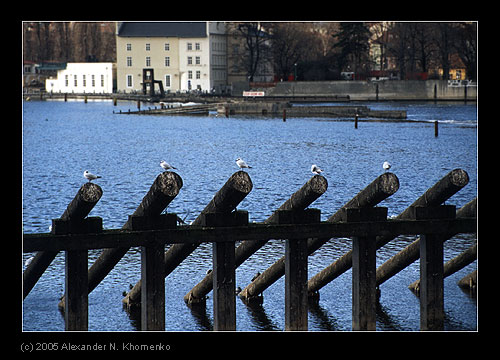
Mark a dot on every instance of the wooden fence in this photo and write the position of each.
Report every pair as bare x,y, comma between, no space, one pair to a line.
222,225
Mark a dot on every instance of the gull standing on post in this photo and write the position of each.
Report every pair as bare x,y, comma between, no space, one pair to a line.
242,164
386,165
316,170
166,165
89,176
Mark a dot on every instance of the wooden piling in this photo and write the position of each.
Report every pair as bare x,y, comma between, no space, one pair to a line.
83,202
364,298
381,188
437,194
225,200
76,285
411,253
224,278
164,189
153,293
436,128
296,264
284,115
356,121
469,282
301,199
451,266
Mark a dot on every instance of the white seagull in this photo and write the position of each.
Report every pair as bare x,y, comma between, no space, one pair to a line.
166,165
242,164
89,176
386,165
316,170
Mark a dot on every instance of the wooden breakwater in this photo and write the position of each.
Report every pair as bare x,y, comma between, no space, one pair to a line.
220,224
285,109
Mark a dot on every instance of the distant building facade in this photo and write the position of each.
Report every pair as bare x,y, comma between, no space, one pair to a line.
83,78
185,56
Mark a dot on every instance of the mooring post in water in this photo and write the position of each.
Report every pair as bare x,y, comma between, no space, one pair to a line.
81,205
164,189
237,187
296,307
436,128
301,199
431,268
364,298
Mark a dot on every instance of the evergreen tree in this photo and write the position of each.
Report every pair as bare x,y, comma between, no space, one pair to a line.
352,41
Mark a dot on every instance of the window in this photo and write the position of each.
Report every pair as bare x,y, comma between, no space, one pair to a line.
129,47
167,80
190,74
198,74
197,46
93,80
197,60
129,61
190,60
102,80
76,81
167,60
66,80
189,46
84,80
129,81
148,47
167,47
148,61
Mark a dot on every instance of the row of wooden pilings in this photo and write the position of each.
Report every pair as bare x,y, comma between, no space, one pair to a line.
156,264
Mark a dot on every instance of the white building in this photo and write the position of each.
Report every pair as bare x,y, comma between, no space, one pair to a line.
83,78
183,55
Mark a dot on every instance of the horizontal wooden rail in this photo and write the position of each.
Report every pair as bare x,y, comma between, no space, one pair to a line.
195,234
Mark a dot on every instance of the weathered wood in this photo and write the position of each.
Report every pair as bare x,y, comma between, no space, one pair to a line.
469,282
153,291
253,232
76,284
452,266
309,192
164,189
431,274
431,280
237,187
83,202
296,265
378,190
437,194
411,253
364,297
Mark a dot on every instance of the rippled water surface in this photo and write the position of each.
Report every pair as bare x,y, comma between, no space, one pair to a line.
61,140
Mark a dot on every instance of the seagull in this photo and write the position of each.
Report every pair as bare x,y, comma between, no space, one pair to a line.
316,170
89,176
242,164
165,165
386,165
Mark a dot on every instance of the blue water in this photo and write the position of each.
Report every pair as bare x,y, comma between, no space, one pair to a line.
62,139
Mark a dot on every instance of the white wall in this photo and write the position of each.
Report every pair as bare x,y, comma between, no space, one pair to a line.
90,78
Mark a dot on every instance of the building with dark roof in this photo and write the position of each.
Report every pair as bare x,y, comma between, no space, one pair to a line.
185,56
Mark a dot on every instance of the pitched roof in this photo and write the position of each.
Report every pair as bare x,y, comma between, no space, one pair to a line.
163,29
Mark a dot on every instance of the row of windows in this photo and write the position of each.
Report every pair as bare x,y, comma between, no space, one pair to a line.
197,47
167,78
84,80
197,60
